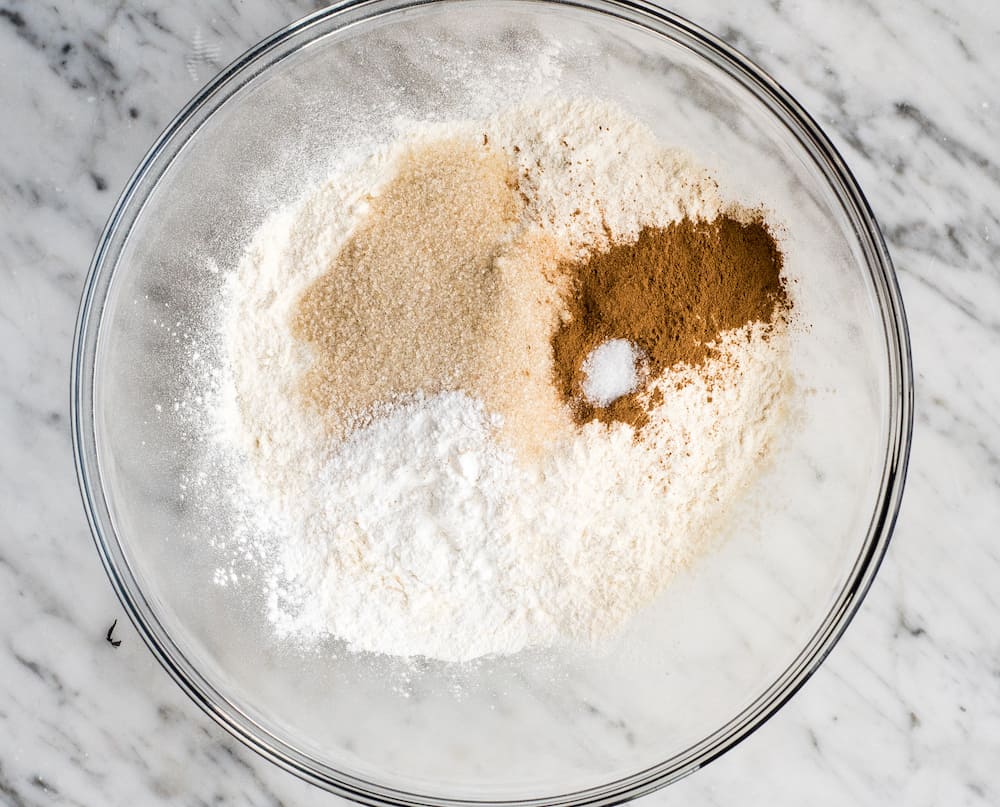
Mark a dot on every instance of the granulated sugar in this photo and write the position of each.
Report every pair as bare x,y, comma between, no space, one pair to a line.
391,397
612,369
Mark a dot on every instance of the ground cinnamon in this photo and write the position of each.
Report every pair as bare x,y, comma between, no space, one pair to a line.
671,292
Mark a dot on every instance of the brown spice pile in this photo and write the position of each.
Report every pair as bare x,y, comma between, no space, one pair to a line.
671,293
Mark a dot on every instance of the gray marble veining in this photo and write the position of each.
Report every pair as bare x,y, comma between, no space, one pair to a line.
907,708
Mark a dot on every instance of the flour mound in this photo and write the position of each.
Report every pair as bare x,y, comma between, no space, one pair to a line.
419,527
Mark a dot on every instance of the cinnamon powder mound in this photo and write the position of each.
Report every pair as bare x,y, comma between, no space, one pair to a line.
672,292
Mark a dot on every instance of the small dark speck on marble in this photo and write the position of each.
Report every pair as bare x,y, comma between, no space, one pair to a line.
99,182
168,714
109,636
913,630
41,784
15,18
956,241
133,112
66,48
813,739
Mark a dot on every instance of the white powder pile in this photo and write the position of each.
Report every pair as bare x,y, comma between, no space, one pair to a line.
590,170
422,533
612,370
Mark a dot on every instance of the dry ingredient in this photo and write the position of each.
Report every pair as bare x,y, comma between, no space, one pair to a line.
492,388
612,369
670,293
436,289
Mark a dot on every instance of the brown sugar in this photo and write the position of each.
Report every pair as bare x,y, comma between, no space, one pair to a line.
438,290
671,293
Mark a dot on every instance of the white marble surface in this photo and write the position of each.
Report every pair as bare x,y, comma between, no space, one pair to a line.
907,708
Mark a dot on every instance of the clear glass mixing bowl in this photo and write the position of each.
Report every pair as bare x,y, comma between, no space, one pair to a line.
724,646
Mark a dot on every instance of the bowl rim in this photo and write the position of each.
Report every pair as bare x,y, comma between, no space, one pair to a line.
899,418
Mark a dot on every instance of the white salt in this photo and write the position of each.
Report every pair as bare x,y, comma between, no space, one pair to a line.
612,371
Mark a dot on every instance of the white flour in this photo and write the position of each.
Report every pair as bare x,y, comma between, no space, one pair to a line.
588,168
419,534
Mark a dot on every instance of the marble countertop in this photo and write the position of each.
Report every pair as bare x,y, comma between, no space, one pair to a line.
906,710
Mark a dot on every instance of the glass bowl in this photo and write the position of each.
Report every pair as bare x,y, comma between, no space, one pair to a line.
726,644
